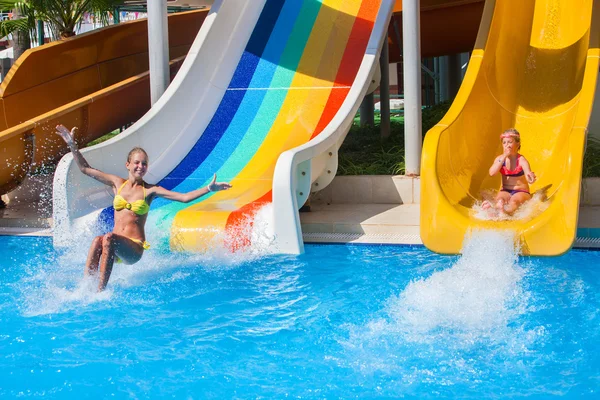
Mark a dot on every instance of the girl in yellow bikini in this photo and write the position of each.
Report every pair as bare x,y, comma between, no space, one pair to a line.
132,202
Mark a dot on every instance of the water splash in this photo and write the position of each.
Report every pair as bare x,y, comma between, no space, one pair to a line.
473,300
479,293
527,211
462,317
63,288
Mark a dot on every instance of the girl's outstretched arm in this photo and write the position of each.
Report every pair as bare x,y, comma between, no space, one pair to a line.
107,179
529,174
213,186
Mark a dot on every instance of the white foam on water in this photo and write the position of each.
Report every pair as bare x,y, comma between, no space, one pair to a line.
462,316
528,210
62,287
478,293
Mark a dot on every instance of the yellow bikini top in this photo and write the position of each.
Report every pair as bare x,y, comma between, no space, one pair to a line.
140,207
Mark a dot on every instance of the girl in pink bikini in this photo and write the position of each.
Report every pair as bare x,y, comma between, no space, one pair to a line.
516,175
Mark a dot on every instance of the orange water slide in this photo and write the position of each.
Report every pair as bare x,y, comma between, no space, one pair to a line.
97,81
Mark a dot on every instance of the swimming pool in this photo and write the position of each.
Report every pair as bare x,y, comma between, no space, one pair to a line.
337,322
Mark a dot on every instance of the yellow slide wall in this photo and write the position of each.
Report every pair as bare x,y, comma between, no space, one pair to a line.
534,67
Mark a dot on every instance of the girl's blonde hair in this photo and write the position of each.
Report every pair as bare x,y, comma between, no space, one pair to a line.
136,150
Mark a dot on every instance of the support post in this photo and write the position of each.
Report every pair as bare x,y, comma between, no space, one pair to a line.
158,48
443,74
411,44
454,75
40,32
436,81
116,16
367,110
384,91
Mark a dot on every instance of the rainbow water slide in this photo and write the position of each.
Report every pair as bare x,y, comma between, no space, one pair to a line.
97,80
534,67
264,99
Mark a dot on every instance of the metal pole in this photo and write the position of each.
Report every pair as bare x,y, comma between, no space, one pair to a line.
436,81
40,32
367,110
158,48
384,91
411,44
443,74
454,75
116,16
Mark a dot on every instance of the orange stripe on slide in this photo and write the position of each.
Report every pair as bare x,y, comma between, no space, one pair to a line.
240,222
357,43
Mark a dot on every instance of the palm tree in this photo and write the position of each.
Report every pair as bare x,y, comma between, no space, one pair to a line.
62,16
22,26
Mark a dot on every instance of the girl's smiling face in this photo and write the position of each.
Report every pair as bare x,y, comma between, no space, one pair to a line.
137,165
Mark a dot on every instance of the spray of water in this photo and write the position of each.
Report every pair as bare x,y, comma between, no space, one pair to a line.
473,300
462,317
62,287
479,293
527,211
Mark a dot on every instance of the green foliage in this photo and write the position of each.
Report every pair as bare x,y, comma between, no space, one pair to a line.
433,115
364,153
24,24
591,160
103,138
61,15
64,15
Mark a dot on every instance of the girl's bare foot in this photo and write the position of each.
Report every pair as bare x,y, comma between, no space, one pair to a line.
485,205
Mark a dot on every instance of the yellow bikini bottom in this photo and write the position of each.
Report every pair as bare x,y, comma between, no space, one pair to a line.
145,245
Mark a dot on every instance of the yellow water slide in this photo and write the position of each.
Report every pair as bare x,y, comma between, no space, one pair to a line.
534,67
97,81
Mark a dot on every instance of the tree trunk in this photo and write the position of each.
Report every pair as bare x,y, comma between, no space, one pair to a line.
21,40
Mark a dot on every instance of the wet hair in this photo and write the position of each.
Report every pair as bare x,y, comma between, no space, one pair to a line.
513,133
136,150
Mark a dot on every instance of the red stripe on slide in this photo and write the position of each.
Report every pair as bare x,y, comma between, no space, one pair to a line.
351,60
240,222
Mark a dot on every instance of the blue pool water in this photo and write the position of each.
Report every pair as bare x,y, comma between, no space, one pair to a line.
336,322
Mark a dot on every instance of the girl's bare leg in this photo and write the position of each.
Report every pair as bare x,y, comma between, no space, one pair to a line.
112,244
93,259
501,199
515,201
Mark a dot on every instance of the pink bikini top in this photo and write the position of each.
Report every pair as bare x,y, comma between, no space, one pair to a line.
518,171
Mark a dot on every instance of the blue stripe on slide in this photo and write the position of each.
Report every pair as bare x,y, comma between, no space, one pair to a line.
226,110
247,111
232,99
265,116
